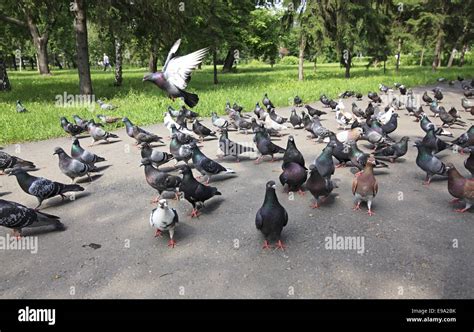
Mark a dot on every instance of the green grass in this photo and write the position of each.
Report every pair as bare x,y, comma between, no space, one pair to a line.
144,104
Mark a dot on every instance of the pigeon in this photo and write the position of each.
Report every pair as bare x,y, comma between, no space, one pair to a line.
236,107
265,146
161,181
325,100
333,104
230,148
180,152
438,95
9,161
402,89
374,97
467,105
357,111
261,127
164,218
174,113
267,102
448,119
468,94
464,140
318,186
188,113
292,154
441,79
429,163
70,128
271,124
275,117
105,106
182,137
158,158
369,111
195,192
384,117
169,123
391,125
20,108
259,111
469,162
201,130
426,124
340,151
41,188
460,78
242,124
294,175
80,122
324,162
297,101
393,151
434,108
142,137
372,134
427,99
460,187
344,119
383,88
207,166
295,120
99,134
352,135
359,158
359,96
313,111
108,119
231,112
219,122
175,75
316,128
415,113
128,126
433,143
365,186
346,94
271,217
77,152
73,168
466,86
16,216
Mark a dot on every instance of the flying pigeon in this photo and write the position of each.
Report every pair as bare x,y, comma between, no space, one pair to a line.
174,77
164,218
16,216
195,192
271,217
42,188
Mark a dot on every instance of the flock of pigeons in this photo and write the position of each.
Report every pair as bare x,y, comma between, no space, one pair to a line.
374,124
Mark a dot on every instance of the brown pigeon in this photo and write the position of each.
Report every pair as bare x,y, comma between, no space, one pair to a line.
460,188
365,187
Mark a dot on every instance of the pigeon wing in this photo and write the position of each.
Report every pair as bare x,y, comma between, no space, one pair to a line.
172,53
179,69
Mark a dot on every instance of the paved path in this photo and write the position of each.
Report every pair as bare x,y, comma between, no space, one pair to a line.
408,243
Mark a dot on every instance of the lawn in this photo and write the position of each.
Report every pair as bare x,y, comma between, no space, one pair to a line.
144,104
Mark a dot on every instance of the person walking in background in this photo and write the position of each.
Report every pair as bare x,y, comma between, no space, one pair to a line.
106,62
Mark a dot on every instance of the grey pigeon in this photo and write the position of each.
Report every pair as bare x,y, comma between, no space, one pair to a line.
77,152
158,158
393,151
70,128
429,163
318,186
161,181
219,122
195,192
9,161
230,148
99,134
324,162
175,75
201,130
267,102
105,106
164,218
295,120
73,168
207,166
16,216
265,146
180,152
271,217
42,188
20,108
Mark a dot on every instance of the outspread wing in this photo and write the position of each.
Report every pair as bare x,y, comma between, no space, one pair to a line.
178,69
172,53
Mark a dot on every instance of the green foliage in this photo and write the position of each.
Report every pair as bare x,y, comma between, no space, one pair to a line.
289,60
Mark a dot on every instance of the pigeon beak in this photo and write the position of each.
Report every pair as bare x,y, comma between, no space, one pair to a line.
274,186
141,165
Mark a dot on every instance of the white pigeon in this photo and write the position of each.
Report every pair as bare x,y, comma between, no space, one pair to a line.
163,219
269,123
385,117
349,135
168,120
340,104
344,119
105,106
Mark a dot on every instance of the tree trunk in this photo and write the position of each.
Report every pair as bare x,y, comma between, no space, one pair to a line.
4,81
463,52
399,50
301,57
32,63
451,58
229,60
14,62
118,61
437,56
422,56
348,64
214,62
315,62
152,62
82,48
